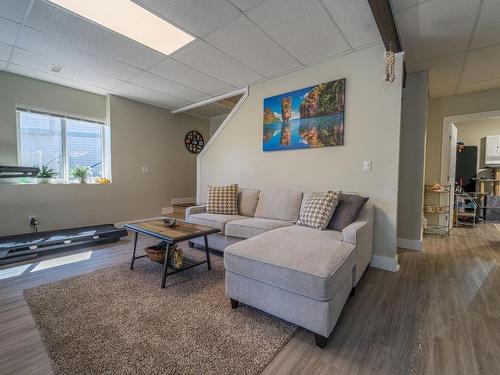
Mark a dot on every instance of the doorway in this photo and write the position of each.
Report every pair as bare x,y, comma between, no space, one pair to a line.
468,165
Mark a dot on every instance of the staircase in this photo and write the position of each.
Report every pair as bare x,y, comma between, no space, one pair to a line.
180,209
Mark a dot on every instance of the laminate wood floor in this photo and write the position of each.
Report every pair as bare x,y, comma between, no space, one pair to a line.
440,314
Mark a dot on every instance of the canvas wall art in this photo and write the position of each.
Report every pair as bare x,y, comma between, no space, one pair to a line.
305,118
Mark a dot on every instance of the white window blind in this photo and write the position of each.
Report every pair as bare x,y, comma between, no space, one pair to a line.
62,142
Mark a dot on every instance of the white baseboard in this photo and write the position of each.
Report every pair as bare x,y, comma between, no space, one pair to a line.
385,263
122,223
183,200
406,243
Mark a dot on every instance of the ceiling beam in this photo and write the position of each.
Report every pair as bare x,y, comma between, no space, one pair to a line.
382,13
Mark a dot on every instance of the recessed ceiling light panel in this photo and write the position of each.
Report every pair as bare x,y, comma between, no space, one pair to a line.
130,20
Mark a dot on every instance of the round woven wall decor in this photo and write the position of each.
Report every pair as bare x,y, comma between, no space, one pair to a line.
194,141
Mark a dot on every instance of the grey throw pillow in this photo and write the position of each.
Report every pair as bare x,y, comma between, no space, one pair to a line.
317,211
347,210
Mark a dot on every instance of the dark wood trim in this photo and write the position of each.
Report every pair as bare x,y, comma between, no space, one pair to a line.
382,13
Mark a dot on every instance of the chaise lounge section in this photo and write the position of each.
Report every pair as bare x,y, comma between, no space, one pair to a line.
299,274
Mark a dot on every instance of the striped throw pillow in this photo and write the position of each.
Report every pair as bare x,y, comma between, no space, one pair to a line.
318,210
223,200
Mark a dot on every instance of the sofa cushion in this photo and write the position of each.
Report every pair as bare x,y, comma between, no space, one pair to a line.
318,210
247,201
298,259
279,204
252,227
217,221
347,210
223,200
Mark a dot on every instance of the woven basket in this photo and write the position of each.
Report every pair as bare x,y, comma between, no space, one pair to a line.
155,255
158,255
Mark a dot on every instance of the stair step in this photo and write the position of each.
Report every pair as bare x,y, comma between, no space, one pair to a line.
181,208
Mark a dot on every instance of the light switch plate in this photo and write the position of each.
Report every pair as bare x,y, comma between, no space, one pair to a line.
145,170
367,166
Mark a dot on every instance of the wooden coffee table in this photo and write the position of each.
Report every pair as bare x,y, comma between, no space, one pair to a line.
183,231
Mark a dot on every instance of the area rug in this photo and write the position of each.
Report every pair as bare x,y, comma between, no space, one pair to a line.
118,321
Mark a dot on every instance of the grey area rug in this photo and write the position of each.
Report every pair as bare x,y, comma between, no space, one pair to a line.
117,321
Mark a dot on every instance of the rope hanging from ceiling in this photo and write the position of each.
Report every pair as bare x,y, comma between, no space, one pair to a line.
389,63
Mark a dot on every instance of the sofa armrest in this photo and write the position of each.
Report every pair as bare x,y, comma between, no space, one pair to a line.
353,231
195,210
360,234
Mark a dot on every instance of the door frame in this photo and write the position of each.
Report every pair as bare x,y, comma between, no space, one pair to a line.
448,121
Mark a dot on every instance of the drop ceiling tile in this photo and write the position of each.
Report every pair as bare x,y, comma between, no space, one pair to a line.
438,93
43,76
481,65
436,28
44,45
5,51
8,31
166,86
355,19
197,17
478,86
488,28
36,62
303,28
245,5
399,5
210,110
13,10
210,60
179,72
132,91
442,72
244,41
75,30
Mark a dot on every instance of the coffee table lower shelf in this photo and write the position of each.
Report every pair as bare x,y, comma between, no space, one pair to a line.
187,263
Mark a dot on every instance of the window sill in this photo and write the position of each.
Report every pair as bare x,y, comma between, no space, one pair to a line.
33,181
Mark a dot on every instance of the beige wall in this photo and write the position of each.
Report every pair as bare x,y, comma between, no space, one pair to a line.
141,135
471,132
372,125
18,90
439,108
412,151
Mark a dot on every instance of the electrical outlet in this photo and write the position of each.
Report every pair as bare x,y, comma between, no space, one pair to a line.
367,166
145,170
33,220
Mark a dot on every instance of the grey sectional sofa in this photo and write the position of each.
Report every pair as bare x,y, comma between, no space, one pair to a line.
299,274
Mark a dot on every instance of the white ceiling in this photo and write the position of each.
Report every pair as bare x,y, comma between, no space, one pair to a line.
238,42
457,41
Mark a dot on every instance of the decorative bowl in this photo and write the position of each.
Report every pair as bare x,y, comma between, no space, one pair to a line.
169,221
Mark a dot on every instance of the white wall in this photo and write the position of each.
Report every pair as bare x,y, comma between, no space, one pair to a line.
412,157
141,135
372,126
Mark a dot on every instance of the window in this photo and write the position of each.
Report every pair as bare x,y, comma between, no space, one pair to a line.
62,142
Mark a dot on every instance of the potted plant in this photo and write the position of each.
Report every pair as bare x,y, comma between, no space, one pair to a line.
45,175
80,173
